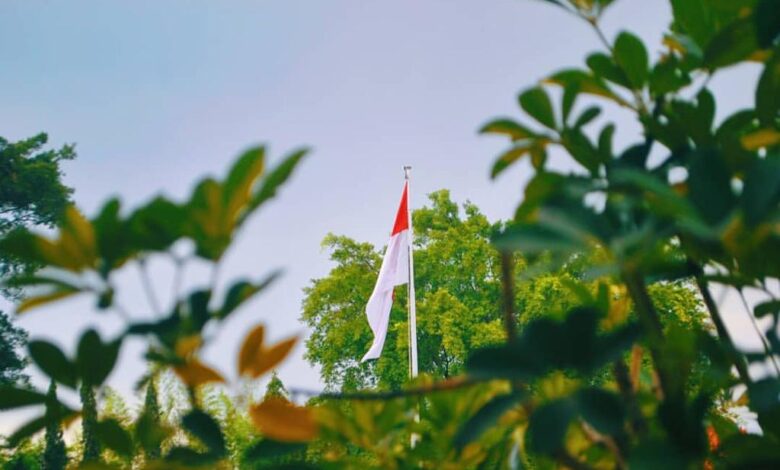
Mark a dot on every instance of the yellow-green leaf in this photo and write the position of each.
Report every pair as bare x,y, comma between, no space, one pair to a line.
251,346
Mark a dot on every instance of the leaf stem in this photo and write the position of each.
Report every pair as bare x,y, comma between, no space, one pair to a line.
147,284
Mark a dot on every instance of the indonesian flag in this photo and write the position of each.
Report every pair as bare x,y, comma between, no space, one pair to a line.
394,272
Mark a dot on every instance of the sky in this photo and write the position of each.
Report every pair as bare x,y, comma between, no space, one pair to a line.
156,95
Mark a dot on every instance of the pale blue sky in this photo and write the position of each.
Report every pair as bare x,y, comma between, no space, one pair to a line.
158,93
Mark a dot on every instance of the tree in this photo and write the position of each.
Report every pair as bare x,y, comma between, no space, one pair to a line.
12,339
275,388
457,290
89,420
151,412
55,456
31,194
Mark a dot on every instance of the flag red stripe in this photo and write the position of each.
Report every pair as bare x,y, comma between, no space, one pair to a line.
402,218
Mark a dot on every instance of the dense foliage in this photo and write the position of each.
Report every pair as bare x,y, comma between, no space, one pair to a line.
31,194
600,360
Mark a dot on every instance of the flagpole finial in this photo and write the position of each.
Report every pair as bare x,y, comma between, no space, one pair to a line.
407,169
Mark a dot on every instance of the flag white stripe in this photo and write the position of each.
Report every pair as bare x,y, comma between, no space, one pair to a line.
394,272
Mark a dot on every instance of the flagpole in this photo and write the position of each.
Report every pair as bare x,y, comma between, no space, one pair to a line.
412,306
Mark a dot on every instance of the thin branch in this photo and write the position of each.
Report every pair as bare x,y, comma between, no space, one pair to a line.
764,342
147,284
178,277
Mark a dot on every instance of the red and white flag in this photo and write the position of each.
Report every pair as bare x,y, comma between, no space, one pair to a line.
394,272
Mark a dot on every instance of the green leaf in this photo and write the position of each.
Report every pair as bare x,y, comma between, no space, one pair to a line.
155,226
27,430
13,397
57,293
770,307
205,428
533,238
602,409
237,188
695,19
198,302
605,142
268,449
94,359
604,67
733,44
668,76
768,91
485,418
631,57
709,186
277,177
189,457
537,104
242,291
149,433
53,362
548,425
570,93
767,20
509,128
114,437
586,83
506,159
587,116
761,191
207,224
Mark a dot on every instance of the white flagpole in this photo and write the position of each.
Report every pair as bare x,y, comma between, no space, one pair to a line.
412,307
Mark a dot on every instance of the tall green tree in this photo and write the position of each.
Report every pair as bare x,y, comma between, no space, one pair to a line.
55,456
276,388
89,419
457,291
31,194
151,412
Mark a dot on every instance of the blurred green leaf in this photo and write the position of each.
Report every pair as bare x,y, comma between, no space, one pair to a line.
537,104
53,362
277,177
768,91
761,192
241,291
604,67
709,183
770,307
767,20
587,116
601,409
506,159
237,188
585,83
94,359
508,127
26,431
485,418
733,44
631,56
114,437
154,226
205,428
149,433
548,425
668,76
15,397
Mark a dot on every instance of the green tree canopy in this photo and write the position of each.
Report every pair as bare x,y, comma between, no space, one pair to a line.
457,287
31,193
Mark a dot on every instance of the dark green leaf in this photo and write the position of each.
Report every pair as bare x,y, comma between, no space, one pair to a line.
548,425
506,159
631,57
154,226
761,192
770,307
198,303
668,76
734,43
189,457
94,359
276,177
604,67
587,116
605,142
242,291
509,128
585,83
13,397
114,437
570,92
537,104
26,430
205,428
602,409
767,20
709,186
149,433
768,91
52,361
485,418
